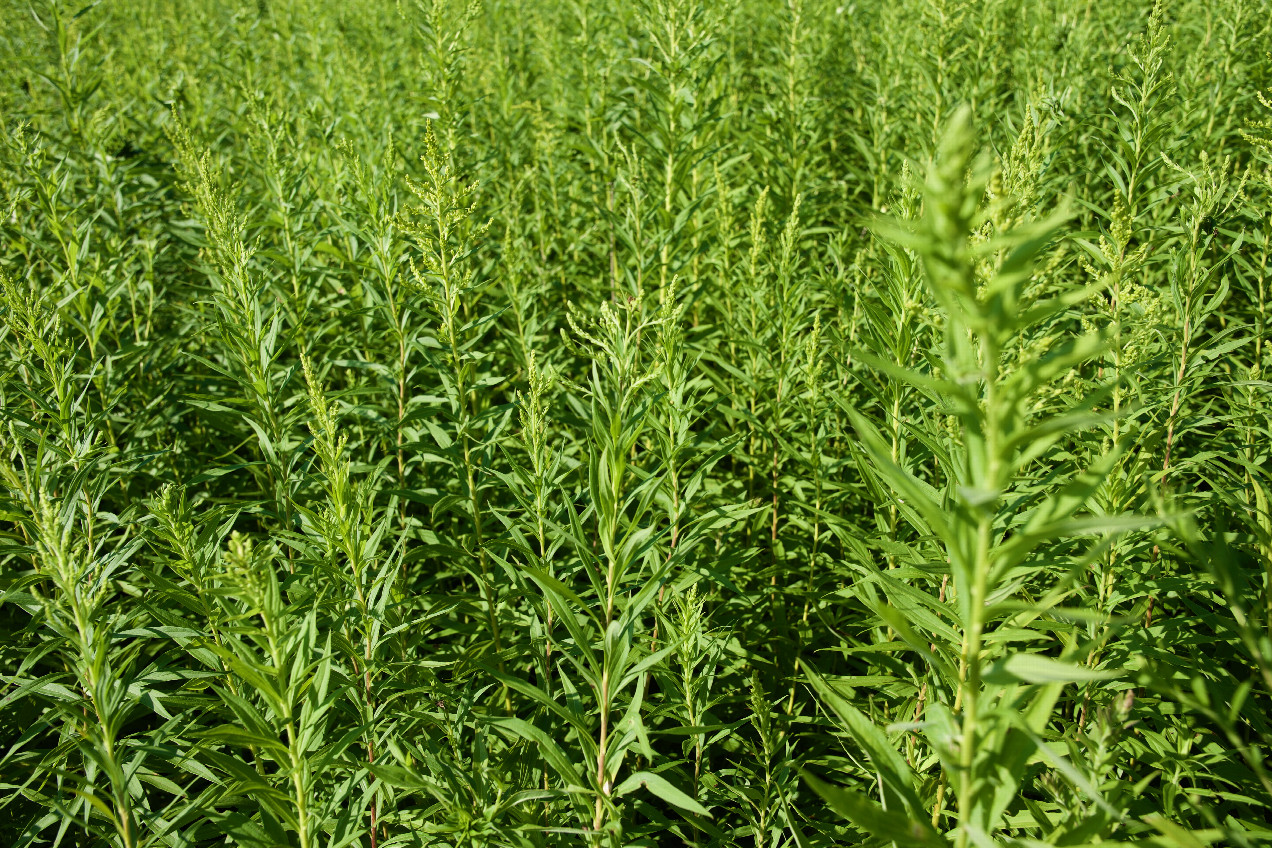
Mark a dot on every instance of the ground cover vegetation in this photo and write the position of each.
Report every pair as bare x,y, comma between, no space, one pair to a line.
749,423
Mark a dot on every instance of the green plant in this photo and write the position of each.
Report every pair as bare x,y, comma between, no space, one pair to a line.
771,422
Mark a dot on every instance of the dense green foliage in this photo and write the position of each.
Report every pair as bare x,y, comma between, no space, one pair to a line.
748,423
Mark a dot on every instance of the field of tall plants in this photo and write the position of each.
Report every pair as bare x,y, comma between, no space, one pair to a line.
775,423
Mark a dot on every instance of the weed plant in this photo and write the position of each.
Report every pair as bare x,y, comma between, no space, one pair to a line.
773,423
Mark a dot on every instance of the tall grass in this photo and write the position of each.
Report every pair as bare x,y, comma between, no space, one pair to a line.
769,423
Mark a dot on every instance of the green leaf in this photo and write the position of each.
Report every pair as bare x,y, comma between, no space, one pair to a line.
1035,668
659,786
544,744
898,782
868,815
